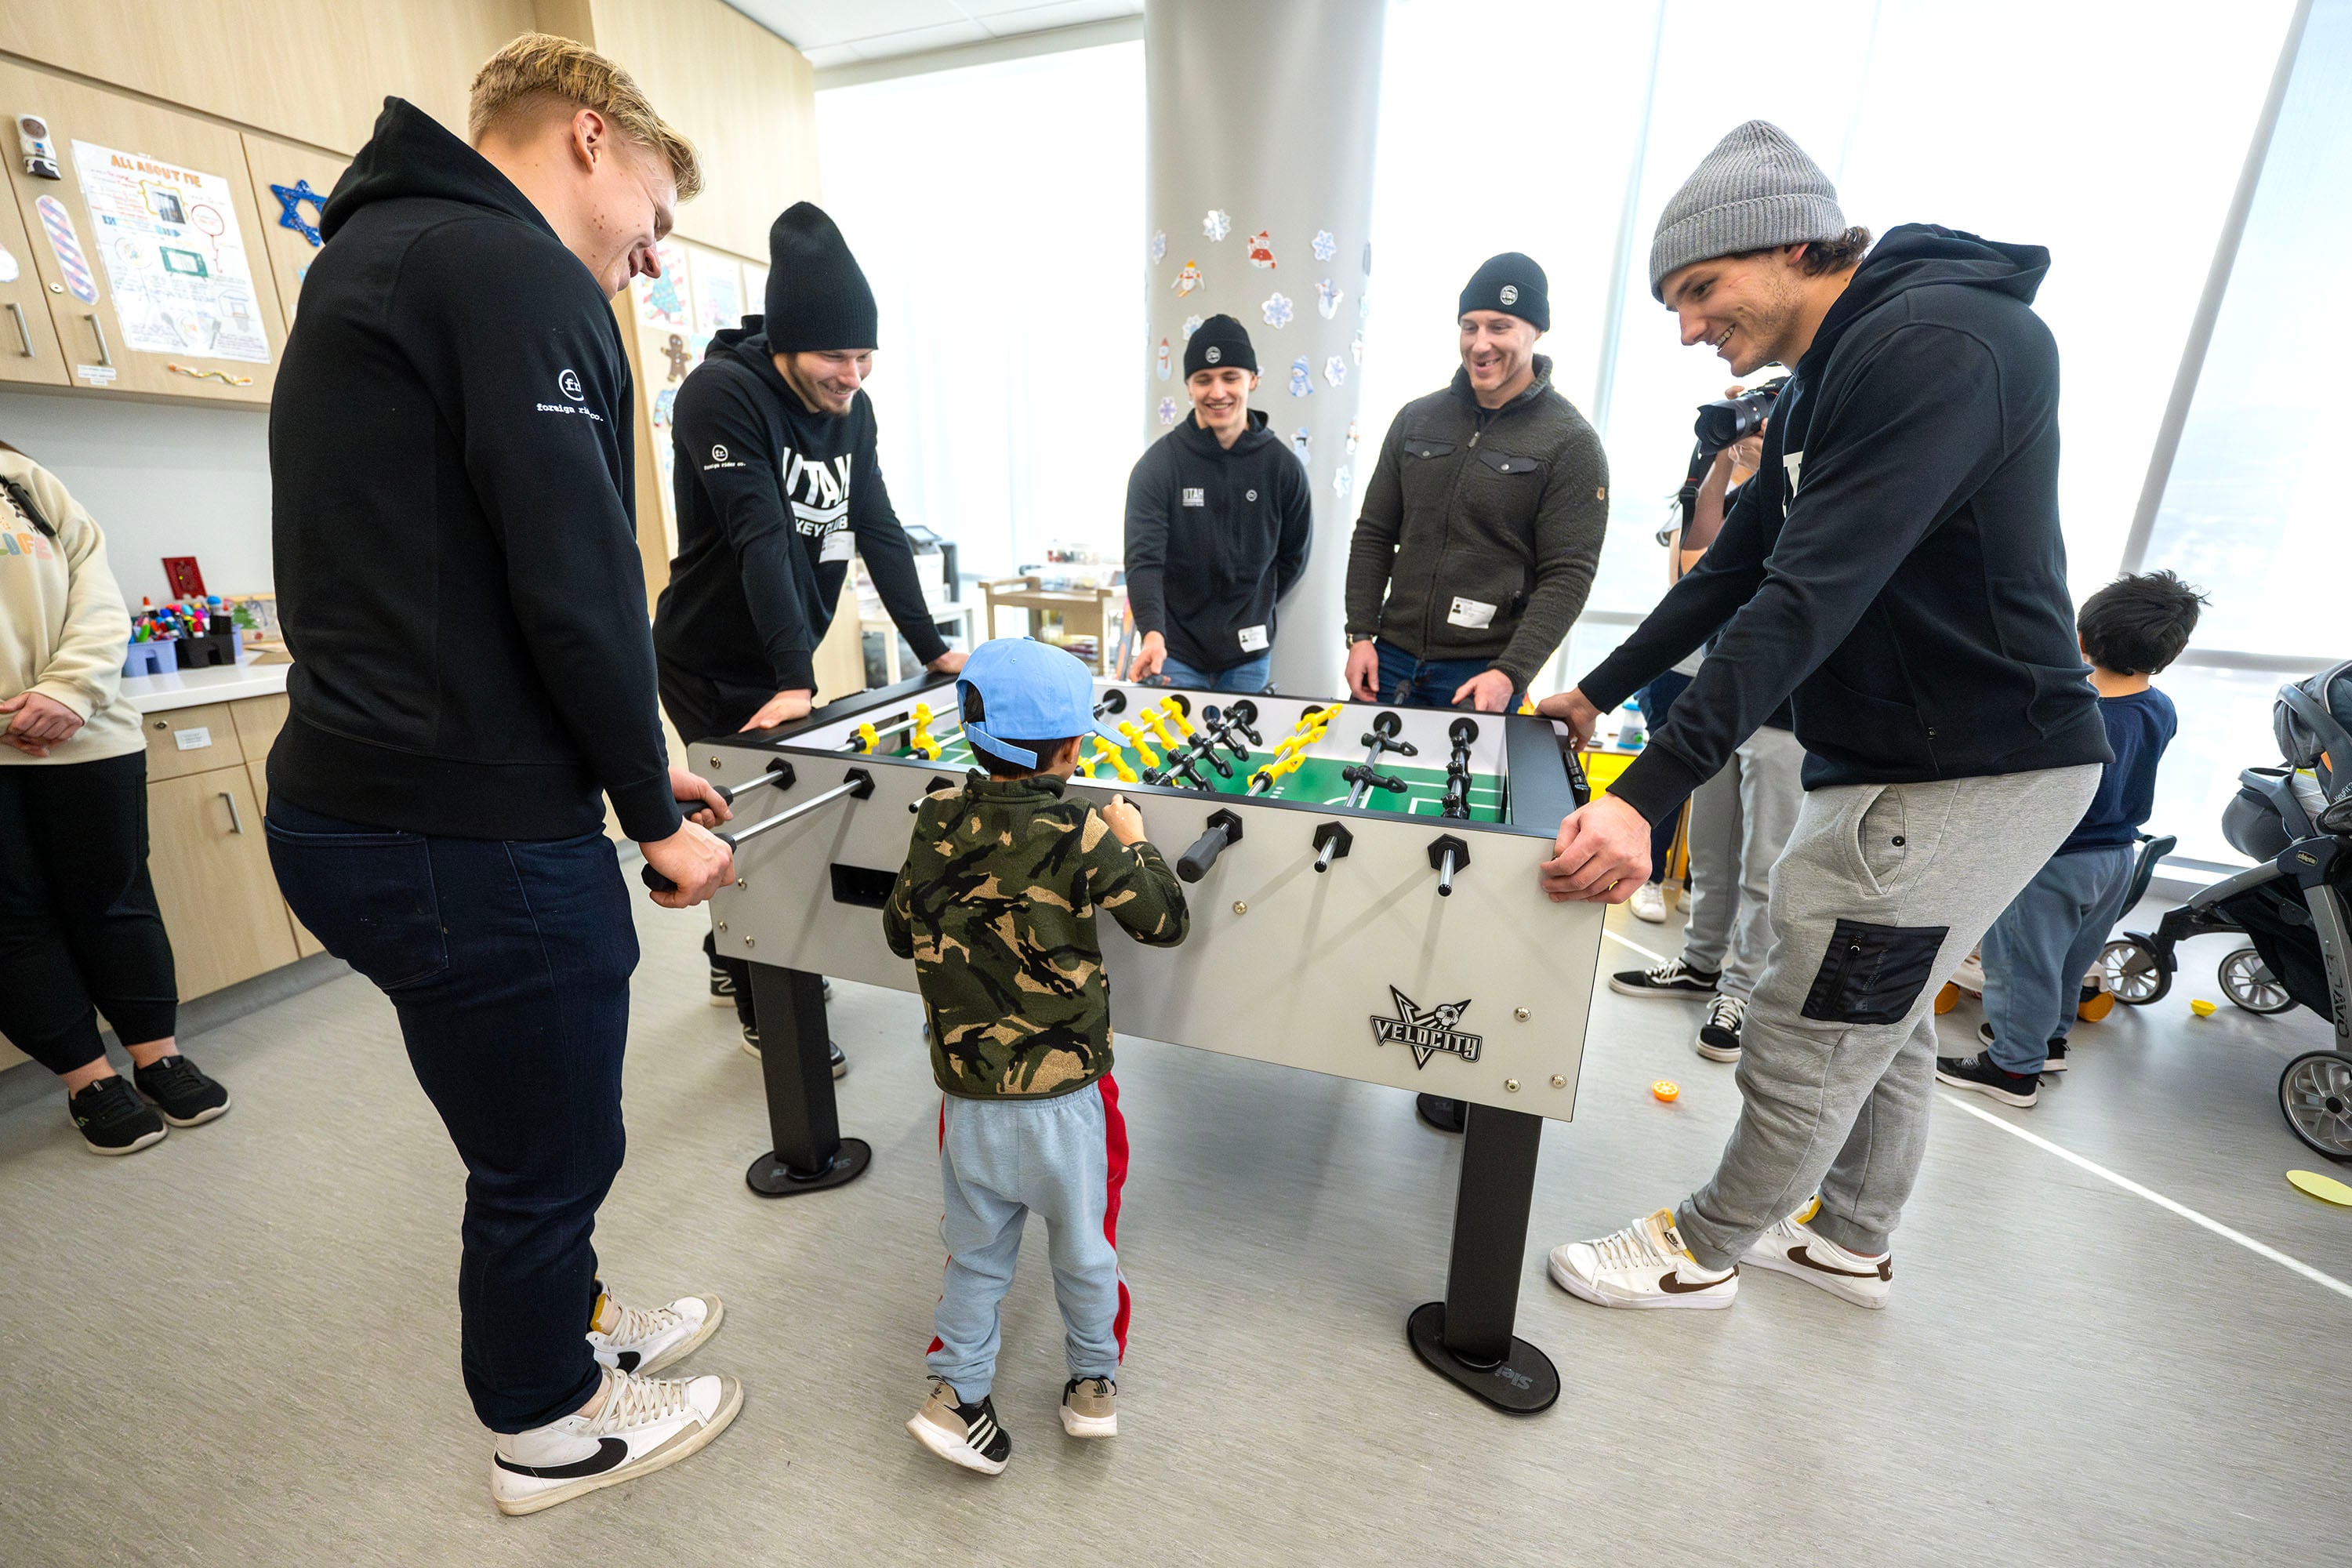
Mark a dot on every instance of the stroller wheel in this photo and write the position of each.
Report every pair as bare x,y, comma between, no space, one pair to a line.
2315,1094
2133,976
2248,980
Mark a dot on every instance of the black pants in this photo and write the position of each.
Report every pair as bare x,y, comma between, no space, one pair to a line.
702,708
509,965
79,931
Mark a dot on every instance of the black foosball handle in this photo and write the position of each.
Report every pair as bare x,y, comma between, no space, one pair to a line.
1225,828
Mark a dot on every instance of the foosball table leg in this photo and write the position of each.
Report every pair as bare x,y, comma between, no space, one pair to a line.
795,1062
1467,1337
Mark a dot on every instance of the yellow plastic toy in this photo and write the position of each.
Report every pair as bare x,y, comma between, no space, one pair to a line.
1666,1089
2202,1008
1106,754
925,747
1266,777
2327,1188
1176,717
1157,722
867,739
1142,747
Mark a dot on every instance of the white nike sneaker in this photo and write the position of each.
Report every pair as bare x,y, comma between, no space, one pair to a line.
1791,1246
646,1339
645,1422
1648,903
1644,1264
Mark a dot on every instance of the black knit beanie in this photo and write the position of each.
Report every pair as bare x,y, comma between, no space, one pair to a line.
1219,341
817,294
1511,283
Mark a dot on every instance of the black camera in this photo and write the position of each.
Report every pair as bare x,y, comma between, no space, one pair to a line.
1731,419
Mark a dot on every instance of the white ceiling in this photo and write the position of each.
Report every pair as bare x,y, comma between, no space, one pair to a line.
841,32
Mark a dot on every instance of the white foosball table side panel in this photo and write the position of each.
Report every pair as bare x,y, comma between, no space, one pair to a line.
1363,971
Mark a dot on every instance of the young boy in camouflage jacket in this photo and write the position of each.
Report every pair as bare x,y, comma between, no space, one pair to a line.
996,906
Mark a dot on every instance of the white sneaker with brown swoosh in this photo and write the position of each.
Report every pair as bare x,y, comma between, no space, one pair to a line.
1792,1247
1644,1264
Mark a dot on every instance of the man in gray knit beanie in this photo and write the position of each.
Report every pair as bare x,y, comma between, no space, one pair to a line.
1894,572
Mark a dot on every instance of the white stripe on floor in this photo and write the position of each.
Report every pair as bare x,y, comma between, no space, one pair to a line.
2158,1199
1637,947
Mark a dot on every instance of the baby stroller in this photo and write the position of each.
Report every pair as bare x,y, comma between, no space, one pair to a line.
2294,910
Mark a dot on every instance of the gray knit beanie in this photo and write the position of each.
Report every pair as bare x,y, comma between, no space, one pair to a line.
1755,191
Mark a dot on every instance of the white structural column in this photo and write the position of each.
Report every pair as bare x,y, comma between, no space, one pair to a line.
1259,207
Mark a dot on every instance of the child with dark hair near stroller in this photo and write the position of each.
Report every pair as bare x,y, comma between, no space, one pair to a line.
2036,952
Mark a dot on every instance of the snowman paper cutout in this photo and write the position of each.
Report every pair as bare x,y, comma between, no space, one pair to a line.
1188,280
1328,298
1298,447
1302,378
1163,359
1352,437
1260,249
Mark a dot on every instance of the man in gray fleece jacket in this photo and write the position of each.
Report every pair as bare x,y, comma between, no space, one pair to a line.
1481,519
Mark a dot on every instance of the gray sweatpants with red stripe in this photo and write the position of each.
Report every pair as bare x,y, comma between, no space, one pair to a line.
1064,1159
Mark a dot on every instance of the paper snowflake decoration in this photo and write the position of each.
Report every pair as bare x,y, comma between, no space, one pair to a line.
1191,325
1216,225
1328,298
1326,248
1335,370
1159,245
1302,379
1342,482
1168,411
1278,312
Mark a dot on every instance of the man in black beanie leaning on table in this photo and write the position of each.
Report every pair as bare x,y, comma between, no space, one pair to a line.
777,485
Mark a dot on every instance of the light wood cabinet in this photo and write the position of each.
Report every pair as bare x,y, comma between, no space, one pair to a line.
275,165
199,248
258,721
28,339
211,867
192,741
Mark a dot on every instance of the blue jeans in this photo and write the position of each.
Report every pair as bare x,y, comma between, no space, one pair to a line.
2037,950
1410,682
1656,698
1065,1161
509,964
1250,676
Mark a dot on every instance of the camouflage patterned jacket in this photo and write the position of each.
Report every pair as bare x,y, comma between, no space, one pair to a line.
996,906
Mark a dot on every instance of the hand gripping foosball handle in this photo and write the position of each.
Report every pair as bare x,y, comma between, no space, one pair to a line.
1224,828
1142,747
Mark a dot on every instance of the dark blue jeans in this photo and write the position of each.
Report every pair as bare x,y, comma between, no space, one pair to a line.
509,964
1656,698
1410,682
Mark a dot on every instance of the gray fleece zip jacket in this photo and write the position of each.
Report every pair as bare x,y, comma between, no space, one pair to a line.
1478,537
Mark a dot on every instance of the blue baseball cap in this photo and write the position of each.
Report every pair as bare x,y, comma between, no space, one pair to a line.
1029,689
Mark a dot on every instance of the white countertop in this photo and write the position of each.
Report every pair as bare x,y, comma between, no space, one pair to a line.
187,687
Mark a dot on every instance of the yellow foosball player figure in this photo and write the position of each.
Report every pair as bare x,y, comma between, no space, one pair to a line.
1109,756
1156,720
868,740
1142,747
1176,717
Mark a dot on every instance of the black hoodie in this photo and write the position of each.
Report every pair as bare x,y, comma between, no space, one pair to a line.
772,499
457,573
1896,562
1215,535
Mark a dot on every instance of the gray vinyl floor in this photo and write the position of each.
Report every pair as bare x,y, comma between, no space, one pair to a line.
240,1347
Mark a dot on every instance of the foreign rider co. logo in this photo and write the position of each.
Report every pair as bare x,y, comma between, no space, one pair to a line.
1426,1031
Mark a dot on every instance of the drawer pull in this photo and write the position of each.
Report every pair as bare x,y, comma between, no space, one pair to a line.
236,822
24,333
98,328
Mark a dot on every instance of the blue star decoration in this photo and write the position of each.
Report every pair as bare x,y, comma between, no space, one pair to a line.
290,199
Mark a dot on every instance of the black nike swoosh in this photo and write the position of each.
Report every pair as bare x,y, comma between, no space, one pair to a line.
626,1360
610,1452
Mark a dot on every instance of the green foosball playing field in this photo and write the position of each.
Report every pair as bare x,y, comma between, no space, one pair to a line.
1312,777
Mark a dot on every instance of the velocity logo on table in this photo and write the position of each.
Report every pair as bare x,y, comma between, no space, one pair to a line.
1426,1032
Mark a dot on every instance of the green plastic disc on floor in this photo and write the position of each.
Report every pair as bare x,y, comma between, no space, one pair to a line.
2320,1186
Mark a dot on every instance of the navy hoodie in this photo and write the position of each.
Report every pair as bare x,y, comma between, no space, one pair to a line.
1896,566
1216,536
450,498
771,501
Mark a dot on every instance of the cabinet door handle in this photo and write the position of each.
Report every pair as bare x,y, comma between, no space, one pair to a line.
24,335
236,822
99,328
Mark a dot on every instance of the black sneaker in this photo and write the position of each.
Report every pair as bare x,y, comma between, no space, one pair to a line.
2053,1054
1978,1073
179,1088
113,1119
1718,1038
833,1051
1674,979
966,1435
722,987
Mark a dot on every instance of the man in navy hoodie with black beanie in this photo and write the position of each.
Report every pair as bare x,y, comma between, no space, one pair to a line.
458,574
1895,569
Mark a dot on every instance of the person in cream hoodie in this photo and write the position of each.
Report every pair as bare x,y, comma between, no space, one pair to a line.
79,931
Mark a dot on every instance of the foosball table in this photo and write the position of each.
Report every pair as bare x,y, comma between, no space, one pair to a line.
1365,876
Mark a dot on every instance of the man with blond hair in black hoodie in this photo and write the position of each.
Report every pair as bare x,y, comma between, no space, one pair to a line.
458,578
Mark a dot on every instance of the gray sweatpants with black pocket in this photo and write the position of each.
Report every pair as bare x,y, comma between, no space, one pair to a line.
1883,890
